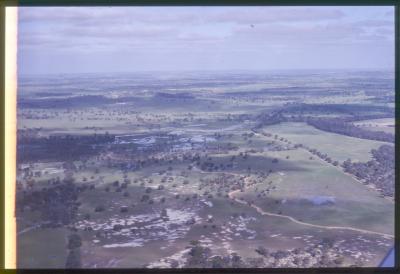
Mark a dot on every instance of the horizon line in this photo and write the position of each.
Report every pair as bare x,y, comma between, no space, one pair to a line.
209,71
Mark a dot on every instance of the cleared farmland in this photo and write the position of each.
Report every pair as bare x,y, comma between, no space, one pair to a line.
336,146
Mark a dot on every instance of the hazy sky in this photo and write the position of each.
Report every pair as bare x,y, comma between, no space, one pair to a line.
125,39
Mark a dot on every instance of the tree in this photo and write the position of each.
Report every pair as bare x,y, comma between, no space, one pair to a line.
198,256
164,214
236,260
73,259
174,264
218,262
99,208
74,254
74,241
262,251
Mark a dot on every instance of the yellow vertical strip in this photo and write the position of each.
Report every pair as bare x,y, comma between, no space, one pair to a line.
10,135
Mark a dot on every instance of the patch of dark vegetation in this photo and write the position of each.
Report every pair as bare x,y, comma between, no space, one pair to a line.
70,102
74,252
52,94
57,204
378,172
322,254
73,102
350,109
175,95
269,119
59,147
341,127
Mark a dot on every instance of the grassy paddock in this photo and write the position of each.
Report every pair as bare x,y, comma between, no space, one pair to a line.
336,146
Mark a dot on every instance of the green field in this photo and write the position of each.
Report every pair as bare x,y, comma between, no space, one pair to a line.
355,205
385,125
336,146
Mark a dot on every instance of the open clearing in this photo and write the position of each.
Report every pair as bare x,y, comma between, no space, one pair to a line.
338,147
319,193
385,125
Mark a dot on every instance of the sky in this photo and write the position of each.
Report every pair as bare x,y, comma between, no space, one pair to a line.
139,39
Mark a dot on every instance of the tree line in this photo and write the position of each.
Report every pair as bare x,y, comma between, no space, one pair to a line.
379,171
